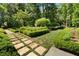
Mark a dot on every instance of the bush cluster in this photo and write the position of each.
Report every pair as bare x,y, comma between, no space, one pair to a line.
63,41
34,31
2,31
56,27
42,22
14,30
6,48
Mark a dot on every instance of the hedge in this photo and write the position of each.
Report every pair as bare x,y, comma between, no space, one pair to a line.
34,31
14,30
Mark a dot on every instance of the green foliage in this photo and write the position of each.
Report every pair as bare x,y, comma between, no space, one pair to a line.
56,27
60,39
34,31
1,30
67,36
42,22
68,46
27,14
47,39
6,48
14,30
63,42
20,16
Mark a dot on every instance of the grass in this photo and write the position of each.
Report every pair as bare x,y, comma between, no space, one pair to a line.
60,39
47,39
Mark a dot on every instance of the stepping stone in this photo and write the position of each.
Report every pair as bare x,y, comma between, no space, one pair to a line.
19,37
33,45
28,41
24,39
16,34
11,36
23,50
15,42
40,50
14,39
31,54
17,46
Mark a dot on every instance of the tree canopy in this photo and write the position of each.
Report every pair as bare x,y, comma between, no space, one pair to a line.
26,14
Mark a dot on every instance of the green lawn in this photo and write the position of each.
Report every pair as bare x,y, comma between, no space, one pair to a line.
47,39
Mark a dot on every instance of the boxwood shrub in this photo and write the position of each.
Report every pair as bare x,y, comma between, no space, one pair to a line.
14,30
34,31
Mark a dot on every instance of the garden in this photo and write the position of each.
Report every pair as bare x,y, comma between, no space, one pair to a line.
48,24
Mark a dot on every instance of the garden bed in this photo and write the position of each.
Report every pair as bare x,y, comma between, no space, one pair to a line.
60,39
6,48
34,31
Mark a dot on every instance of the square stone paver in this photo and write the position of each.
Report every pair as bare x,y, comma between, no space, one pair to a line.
20,37
14,39
33,45
31,54
16,34
11,36
40,50
17,46
28,41
15,42
23,50
24,39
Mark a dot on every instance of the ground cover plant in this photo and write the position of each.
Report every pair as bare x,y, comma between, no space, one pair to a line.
60,39
6,48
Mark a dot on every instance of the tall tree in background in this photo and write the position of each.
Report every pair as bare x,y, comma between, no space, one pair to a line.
3,10
66,13
34,11
75,17
49,10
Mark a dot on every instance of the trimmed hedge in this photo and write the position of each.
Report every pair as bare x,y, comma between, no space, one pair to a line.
34,31
56,27
14,30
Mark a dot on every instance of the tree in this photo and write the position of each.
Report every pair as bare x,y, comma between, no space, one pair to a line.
49,10
21,16
3,10
66,13
34,11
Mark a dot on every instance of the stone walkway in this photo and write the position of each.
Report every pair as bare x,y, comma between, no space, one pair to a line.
25,45
57,52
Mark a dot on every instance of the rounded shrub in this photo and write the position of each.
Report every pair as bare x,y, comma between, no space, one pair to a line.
42,22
